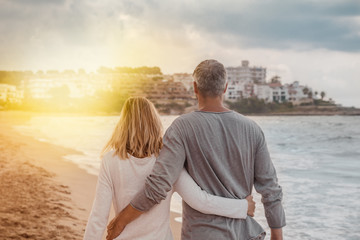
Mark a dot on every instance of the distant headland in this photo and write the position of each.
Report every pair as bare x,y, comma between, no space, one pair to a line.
104,92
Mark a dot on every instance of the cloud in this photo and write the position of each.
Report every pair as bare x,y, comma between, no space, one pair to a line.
316,42
39,2
280,24
43,34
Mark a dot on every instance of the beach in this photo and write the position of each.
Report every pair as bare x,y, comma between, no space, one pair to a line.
42,195
49,165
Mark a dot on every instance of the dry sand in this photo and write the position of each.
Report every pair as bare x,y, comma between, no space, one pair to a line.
42,196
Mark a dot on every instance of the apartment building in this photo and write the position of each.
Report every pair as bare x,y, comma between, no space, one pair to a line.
241,80
41,85
166,90
264,92
10,94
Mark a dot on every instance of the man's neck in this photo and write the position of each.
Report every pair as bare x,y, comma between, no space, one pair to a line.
211,104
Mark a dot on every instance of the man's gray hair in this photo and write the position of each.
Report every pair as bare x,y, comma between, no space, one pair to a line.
210,76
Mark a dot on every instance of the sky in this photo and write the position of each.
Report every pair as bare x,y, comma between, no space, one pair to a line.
315,42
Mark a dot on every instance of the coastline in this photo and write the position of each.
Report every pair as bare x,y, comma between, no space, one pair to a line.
313,111
295,111
62,201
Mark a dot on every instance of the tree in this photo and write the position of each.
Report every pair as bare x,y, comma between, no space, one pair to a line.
322,94
275,79
306,90
255,105
12,77
105,70
310,94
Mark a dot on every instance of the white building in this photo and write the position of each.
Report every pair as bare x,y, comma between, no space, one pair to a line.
263,91
40,87
184,78
9,93
241,80
296,92
240,74
79,85
280,94
234,91
258,74
293,92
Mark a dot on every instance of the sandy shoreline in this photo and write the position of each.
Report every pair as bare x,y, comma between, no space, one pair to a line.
42,195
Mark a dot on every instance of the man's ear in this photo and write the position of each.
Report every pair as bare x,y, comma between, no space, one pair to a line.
226,85
196,90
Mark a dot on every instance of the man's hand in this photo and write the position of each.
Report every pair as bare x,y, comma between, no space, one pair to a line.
276,234
251,206
117,225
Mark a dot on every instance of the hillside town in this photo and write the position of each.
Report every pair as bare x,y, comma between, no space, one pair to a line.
166,91
245,81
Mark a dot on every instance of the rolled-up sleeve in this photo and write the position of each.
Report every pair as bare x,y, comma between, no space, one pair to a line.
165,172
266,183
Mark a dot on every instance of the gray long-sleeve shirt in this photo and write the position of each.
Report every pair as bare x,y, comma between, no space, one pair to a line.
226,154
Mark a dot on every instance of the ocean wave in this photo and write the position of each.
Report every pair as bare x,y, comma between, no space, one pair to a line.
316,158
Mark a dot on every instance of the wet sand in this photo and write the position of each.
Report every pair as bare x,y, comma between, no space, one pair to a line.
43,196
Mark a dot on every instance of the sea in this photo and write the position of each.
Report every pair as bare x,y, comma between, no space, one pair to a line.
317,159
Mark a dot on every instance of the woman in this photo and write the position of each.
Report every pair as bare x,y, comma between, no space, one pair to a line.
128,159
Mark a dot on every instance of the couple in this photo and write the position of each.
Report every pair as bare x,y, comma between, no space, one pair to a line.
212,157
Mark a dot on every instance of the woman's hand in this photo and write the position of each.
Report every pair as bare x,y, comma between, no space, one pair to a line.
251,206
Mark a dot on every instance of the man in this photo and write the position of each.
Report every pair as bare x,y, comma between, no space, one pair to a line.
225,153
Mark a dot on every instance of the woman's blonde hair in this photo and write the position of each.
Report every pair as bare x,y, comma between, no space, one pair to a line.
138,132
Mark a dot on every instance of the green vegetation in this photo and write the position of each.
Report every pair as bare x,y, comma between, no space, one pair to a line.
107,100
322,94
255,105
122,82
258,106
13,77
130,70
320,102
172,107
